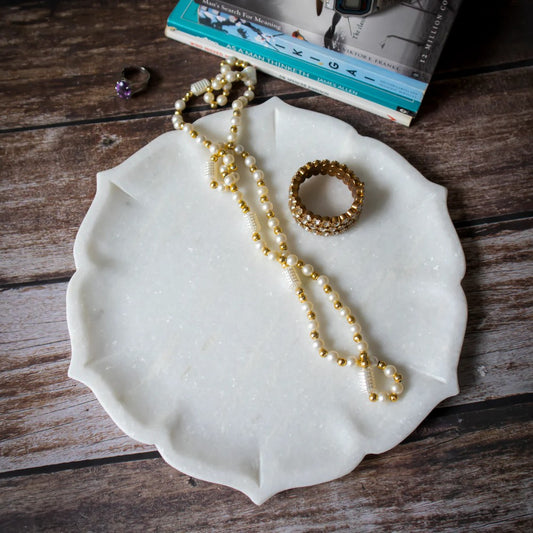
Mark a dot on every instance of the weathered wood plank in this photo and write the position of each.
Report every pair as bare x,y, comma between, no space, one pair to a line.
453,474
37,397
475,147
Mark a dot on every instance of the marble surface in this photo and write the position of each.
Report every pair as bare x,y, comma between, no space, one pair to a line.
191,340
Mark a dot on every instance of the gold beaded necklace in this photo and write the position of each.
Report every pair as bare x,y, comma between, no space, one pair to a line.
221,172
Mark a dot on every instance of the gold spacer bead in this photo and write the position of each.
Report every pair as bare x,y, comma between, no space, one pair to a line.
244,155
214,158
315,276
341,361
299,264
193,134
207,143
382,365
283,246
242,203
314,334
263,198
323,352
233,187
282,259
373,397
300,291
245,209
276,230
230,145
303,298
397,377
256,237
270,214
266,250
213,105
357,338
393,396
252,169
327,289
233,129
260,183
213,185
350,319
311,315
337,304
363,355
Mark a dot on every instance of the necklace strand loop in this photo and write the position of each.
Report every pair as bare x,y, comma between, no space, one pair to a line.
222,174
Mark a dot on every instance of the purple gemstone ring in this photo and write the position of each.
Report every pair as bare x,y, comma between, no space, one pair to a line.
133,80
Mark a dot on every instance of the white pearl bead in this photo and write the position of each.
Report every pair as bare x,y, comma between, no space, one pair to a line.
397,388
259,244
228,159
235,121
373,360
322,280
355,328
345,311
249,161
237,196
262,191
231,60
317,344
307,270
273,256
224,69
177,120
216,84
381,397
236,176
222,169
231,76
237,104
267,206
307,306
231,137
281,237
389,371
352,361
209,98
332,296
273,222
219,77
221,100
229,180
332,356
312,324
180,105
226,87
187,127
292,259
249,94
258,175
200,139
213,149
239,149
362,346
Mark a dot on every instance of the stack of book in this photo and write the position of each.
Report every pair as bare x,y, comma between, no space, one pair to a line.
381,63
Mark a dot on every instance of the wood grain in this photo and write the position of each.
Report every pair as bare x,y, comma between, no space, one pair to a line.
37,397
50,173
463,454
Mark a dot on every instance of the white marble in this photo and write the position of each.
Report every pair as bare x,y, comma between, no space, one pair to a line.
192,341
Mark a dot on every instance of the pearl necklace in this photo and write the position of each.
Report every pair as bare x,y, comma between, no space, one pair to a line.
221,172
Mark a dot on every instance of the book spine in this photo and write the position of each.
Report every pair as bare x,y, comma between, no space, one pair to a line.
299,78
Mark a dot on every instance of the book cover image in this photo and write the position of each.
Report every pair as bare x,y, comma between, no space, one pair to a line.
406,38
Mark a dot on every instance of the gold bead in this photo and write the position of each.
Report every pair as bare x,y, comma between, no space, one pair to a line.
393,397
327,289
397,377
213,184
244,155
283,246
300,291
270,214
382,365
213,105
314,334
233,187
373,397
252,169
350,319
256,237
233,129
315,276
263,198
214,158
276,230
357,338
337,304
311,315
193,134
260,183
363,363
282,259
303,298
242,203
207,143
323,352
233,166
245,209
266,250
341,361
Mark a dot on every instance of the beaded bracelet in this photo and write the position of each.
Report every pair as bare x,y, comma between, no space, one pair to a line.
221,173
323,225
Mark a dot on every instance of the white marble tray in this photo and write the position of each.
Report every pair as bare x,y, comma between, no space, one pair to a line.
191,340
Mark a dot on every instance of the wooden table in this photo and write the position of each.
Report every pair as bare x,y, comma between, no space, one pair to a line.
66,467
